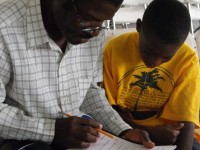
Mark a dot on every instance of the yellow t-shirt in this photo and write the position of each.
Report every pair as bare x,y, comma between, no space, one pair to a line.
171,89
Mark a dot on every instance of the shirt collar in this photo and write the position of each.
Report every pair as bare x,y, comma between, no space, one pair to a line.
36,33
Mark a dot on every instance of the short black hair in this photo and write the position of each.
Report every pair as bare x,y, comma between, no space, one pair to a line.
169,20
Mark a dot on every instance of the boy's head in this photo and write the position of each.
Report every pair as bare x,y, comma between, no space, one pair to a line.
163,29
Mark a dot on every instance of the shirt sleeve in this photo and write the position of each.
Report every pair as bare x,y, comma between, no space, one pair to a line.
184,102
15,123
97,105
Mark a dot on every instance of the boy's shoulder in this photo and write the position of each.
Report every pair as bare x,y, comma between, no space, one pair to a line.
186,54
123,38
127,35
187,49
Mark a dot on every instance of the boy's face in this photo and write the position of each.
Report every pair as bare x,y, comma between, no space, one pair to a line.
154,52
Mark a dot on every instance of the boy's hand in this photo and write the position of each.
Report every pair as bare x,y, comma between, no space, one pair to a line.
138,136
166,134
75,132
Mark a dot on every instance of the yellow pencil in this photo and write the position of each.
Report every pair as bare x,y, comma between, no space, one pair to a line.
105,133
99,130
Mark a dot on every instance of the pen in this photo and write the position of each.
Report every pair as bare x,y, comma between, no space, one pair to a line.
99,130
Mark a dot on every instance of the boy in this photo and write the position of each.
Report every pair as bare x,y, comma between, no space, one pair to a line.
152,77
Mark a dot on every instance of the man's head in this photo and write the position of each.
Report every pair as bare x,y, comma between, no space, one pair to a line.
72,16
163,29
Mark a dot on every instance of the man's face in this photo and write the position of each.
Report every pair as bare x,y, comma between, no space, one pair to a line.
71,18
154,52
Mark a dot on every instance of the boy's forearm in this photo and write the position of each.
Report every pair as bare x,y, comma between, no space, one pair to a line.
129,121
186,137
164,135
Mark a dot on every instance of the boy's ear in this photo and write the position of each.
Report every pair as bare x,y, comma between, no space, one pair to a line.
138,25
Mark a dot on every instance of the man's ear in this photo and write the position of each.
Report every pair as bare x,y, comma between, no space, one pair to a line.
138,25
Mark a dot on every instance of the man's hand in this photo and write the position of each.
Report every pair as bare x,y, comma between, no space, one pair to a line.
166,134
75,132
138,136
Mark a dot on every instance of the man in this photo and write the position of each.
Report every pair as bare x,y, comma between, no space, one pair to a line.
152,77
50,63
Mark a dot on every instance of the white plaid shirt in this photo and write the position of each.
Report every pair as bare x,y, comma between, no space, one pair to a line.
38,80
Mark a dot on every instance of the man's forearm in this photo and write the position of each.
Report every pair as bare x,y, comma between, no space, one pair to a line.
96,104
15,125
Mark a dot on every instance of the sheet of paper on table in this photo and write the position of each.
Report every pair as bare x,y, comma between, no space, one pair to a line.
107,143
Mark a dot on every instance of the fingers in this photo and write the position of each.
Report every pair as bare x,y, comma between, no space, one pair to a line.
84,145
75,132
139,136
87,129
79,144
145,139
177,126
83,136
88,122
175,133
174,128
88,134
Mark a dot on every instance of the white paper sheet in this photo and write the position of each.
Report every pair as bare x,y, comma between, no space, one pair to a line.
107,143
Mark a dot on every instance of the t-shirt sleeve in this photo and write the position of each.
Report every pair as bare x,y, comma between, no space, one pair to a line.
184,102
109,84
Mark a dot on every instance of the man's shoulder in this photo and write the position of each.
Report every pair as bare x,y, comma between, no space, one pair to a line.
12,11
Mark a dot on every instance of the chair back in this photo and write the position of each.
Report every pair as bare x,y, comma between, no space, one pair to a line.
127,15
197,37
135,2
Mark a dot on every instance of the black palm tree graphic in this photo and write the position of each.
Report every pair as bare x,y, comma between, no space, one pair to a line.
147,79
